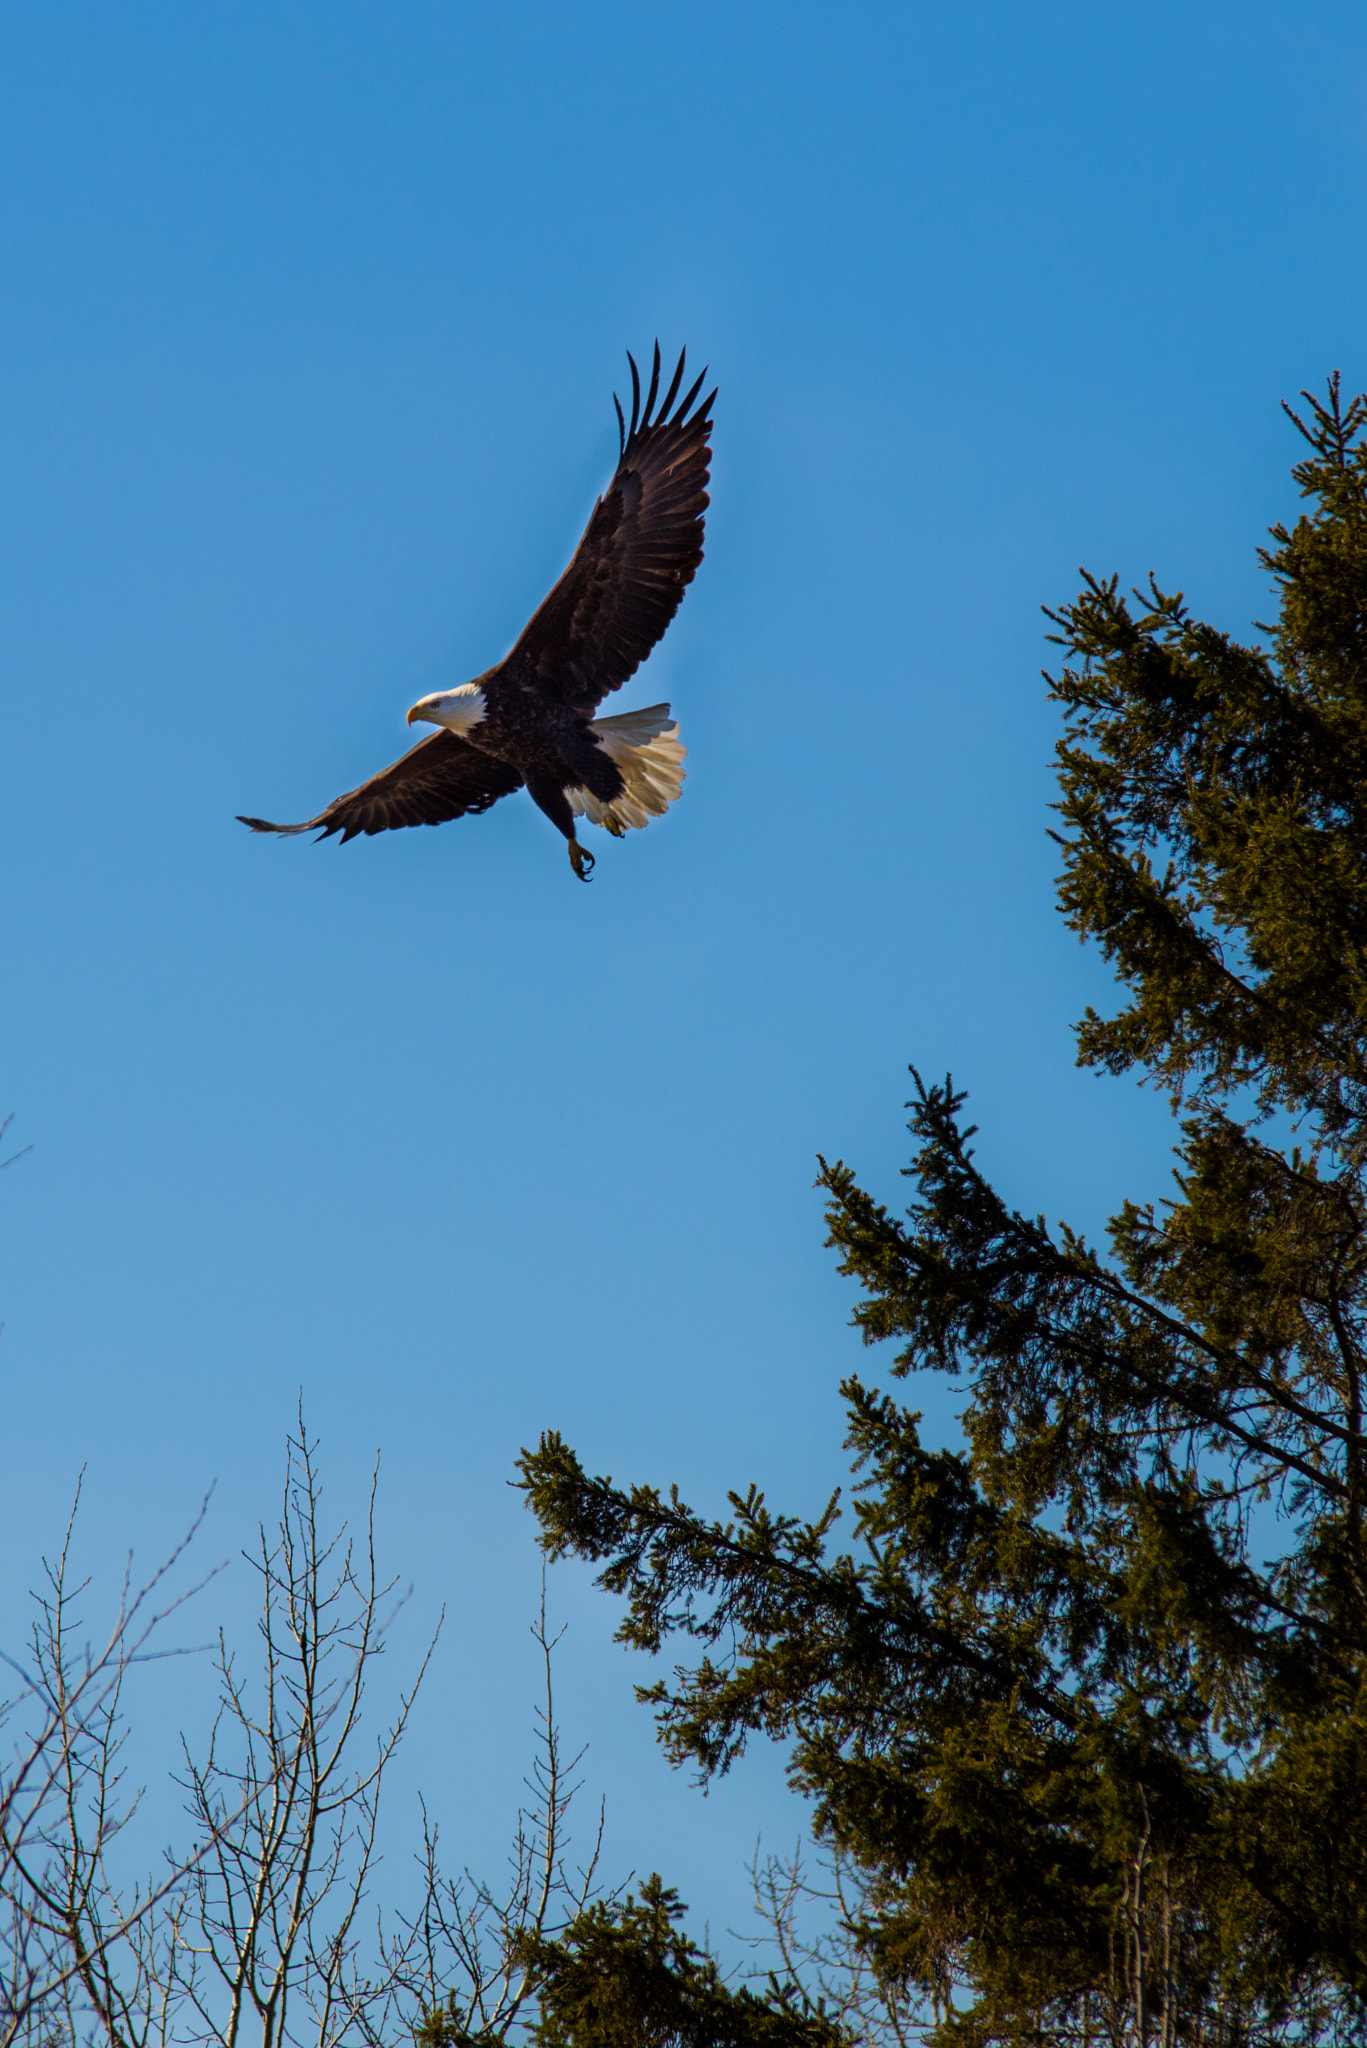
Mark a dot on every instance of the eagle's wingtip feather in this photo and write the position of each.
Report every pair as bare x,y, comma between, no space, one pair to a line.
635,394
654,390
673,390
265,825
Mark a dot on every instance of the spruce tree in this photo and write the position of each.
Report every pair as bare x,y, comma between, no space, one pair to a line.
624,1974
1085,1697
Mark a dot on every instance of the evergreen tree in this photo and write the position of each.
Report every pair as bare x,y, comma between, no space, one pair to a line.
1085,1700
625,1975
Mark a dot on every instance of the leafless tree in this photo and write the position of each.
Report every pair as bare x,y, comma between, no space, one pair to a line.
80,1951
289,1791
5,1123
266,1931
461,1955
811,1943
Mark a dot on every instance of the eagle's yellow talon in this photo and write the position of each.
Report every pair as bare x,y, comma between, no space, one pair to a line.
581,860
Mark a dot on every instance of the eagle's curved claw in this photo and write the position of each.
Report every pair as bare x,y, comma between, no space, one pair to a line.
581,860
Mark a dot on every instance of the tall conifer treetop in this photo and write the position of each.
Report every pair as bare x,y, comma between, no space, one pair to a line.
1084,1697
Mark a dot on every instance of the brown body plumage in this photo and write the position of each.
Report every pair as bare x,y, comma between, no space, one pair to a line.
529,720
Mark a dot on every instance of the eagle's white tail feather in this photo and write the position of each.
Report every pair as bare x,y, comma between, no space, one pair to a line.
646,749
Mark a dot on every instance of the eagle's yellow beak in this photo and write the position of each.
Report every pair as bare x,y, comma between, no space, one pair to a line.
415,715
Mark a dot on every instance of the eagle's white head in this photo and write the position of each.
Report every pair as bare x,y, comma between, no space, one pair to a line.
457,710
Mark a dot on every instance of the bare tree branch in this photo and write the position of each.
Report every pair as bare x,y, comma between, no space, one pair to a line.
62,1807
265,1932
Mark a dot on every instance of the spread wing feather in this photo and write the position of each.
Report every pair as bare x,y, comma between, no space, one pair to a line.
442,777
640,551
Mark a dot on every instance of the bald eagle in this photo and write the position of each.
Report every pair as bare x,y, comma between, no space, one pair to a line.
528,722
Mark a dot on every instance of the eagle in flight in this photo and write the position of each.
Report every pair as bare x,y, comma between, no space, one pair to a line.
528,722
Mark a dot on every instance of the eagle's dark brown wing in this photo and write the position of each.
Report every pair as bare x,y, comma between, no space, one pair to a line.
639,553
442,777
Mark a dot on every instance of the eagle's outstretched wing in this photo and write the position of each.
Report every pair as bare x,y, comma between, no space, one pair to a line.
640,550
442,777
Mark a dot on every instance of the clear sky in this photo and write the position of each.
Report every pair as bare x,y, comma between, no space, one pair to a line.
310,318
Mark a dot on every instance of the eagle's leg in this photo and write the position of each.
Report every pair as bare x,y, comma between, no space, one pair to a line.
549,796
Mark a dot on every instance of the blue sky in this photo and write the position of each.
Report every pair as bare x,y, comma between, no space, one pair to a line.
309,326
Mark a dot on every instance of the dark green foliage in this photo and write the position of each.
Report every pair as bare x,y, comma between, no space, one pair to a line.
1086,1700
624,1975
